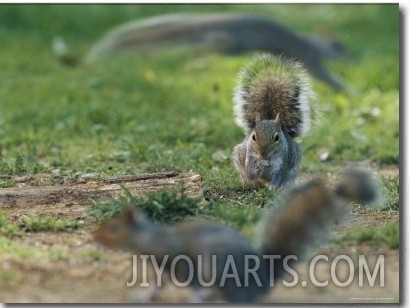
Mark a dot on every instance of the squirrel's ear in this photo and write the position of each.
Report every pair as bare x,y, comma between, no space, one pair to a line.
277,119
257,118
128,215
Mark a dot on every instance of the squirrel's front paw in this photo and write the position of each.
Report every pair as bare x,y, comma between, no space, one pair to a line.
256,167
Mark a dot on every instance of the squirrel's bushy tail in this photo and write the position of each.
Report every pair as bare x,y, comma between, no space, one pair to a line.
305,213
269,85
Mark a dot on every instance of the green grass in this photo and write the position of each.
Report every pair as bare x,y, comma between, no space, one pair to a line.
6,227
165,205
391,193
173,205
9,247
39,222
387,234
34,223
172,110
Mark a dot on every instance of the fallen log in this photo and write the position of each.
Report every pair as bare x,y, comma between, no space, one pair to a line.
80,191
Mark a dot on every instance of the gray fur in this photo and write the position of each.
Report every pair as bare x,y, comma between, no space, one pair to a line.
267,163
222,32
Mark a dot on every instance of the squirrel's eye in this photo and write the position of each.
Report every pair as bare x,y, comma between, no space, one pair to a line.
253,137
276,137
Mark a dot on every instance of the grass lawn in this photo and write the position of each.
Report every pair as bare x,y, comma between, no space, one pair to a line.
133,113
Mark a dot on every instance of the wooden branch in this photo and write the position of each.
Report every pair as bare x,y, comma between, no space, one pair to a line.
82,190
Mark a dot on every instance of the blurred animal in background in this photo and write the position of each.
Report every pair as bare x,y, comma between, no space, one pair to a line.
230,33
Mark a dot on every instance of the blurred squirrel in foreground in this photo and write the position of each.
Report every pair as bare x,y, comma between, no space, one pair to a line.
231,33
272,105
303,215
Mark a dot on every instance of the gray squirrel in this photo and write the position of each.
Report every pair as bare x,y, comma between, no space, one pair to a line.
272,105
230,33
300,219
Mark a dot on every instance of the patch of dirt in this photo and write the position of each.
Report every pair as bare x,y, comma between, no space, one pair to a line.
81,271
